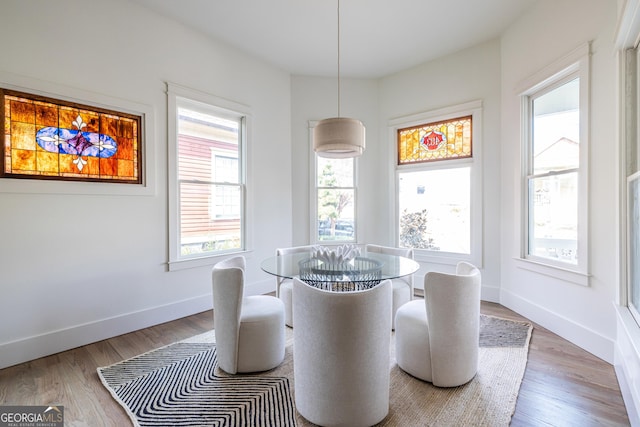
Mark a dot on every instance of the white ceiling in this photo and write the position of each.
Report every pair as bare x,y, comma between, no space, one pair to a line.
377,37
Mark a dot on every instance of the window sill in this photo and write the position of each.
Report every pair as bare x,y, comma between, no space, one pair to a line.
444,258
204,261
564,274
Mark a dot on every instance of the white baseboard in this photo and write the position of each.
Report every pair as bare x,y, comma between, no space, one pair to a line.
34,347
587,339
490,293
627,363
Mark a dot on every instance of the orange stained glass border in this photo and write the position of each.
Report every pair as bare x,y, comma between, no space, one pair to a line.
24,115
457,141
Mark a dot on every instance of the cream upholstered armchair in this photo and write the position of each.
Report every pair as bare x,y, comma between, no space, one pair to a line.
341,354
250,331
437,339
402,286
284,286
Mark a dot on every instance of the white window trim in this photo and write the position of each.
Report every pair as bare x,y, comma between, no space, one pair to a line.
175,91
313,197
577,63
473,109
627,37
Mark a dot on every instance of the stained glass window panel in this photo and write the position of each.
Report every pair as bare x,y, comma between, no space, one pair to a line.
46,138
443,140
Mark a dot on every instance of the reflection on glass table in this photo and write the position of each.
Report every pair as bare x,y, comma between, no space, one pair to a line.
362,272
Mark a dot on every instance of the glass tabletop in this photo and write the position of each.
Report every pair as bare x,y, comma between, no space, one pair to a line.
303,265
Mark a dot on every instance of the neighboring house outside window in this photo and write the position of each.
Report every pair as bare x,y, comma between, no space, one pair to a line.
438,183
226,201
554,112
208,191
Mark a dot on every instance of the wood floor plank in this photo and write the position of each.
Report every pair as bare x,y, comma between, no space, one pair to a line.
563,385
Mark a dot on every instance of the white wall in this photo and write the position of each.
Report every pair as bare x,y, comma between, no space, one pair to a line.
469,75
64,283
78,266
315,98
582,314
466,76
491,72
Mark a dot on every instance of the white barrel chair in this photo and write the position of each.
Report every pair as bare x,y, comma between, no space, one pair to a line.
250,331
437,339
402,286
341,354
284,286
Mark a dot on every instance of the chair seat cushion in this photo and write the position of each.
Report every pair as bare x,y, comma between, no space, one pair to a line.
261,341
412,340
256,308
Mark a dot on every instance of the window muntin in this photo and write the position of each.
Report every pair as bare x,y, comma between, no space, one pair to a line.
210,179
335,200
441,140
552,178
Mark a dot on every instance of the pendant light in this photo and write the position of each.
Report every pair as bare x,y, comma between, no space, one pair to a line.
339,137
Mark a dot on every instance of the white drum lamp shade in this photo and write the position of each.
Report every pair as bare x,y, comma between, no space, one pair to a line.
339,138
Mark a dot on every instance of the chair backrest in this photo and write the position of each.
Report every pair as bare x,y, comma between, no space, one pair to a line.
405,252
453,312
228,289
283,267
341,354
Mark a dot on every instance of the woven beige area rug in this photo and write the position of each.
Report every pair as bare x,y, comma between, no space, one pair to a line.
175,385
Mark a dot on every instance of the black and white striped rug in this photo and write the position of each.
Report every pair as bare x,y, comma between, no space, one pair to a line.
178,385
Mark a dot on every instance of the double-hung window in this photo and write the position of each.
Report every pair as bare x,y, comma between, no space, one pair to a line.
334,200
207,189
438,184
555,170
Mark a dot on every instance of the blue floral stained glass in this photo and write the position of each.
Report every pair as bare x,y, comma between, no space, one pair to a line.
53,139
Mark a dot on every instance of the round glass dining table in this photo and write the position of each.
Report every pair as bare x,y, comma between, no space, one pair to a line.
363,272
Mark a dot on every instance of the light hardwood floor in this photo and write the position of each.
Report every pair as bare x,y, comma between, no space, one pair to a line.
563,385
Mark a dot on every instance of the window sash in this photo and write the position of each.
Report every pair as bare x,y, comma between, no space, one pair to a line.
553,217
436,212
543,214
574,65
202,231
230,217
339,226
